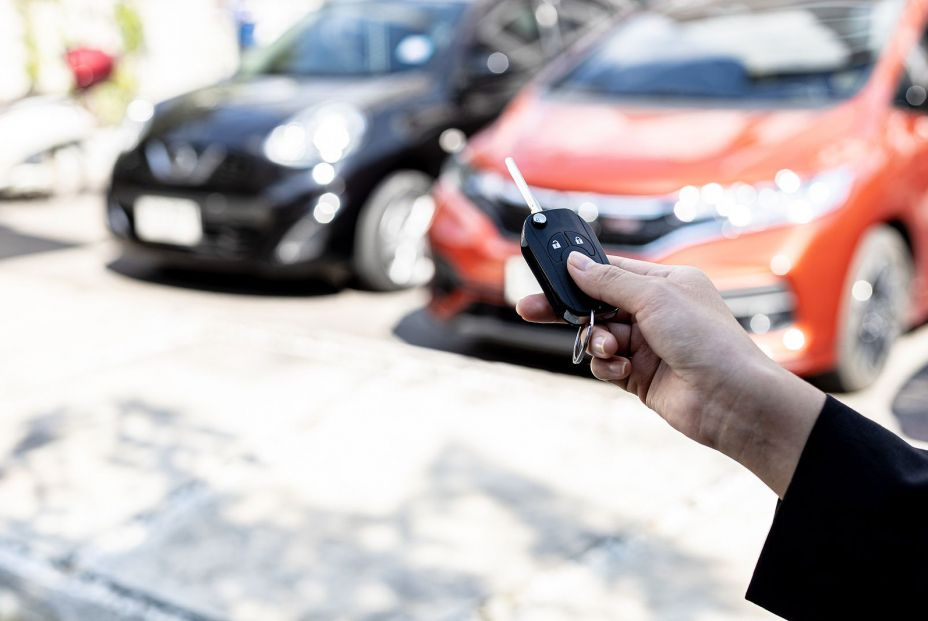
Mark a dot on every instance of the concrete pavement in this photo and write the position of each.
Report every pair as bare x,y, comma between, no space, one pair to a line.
197,448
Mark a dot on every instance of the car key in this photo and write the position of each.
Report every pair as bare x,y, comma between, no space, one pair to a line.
548,238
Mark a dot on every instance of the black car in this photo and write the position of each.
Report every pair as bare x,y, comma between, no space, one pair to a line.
318,156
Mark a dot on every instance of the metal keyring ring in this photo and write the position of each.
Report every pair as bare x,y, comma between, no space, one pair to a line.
580,343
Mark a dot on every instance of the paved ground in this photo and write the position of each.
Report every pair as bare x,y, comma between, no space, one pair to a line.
198,448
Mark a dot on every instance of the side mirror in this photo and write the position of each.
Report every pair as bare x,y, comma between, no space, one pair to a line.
487,66
482,72
911,96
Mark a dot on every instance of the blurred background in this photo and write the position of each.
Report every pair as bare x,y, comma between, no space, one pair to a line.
258,269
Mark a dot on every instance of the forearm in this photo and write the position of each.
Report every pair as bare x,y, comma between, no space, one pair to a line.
768,423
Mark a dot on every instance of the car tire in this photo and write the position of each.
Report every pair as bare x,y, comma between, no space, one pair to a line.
875,308
391,248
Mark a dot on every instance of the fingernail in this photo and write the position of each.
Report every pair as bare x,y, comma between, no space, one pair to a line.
599,344
618,369
580,260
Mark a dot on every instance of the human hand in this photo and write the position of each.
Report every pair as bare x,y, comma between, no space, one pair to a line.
677,347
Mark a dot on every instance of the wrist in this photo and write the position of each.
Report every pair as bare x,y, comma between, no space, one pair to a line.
769,421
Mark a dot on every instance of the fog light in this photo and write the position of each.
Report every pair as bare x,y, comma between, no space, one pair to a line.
794,339
289,252
300,243
764,309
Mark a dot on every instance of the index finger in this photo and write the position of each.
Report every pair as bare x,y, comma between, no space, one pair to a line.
535,308
642,268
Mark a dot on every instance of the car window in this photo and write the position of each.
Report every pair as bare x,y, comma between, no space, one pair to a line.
575,17
361,38
800,52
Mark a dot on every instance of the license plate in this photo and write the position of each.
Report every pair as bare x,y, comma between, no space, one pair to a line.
519,281
166,220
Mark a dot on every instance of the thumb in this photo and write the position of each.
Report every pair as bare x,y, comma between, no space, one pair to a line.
607,283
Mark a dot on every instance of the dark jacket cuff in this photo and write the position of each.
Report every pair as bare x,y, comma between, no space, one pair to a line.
849,537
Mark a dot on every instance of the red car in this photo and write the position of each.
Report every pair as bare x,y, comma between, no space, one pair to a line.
782,147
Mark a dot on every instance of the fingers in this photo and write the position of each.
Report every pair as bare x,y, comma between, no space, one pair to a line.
535,308
609,340
602,344
614,285
642,268
611,370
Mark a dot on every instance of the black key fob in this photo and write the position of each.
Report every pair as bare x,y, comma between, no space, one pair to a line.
548,238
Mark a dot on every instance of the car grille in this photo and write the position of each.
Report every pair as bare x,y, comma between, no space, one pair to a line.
612,231
618,220
211,168
231,242
236,172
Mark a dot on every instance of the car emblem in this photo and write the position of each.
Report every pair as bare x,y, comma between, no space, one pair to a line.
181,163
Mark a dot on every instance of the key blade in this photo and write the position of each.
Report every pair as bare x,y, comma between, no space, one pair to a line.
527,195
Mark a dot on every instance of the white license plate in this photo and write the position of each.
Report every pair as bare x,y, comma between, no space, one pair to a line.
519,281
168,220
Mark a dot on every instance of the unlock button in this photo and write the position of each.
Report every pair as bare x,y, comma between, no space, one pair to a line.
556,246
579,242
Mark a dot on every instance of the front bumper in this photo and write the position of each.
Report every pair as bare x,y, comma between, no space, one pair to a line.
269,233
779,268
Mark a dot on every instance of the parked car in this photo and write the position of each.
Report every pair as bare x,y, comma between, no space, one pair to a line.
318,157
781,147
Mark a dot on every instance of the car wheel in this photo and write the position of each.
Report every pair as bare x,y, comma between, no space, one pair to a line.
391,248
875,308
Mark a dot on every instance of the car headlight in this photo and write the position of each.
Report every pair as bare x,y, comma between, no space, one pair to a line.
789,199
480,185
326,134
139,116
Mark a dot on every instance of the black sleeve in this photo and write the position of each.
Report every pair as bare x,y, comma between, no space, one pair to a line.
850,539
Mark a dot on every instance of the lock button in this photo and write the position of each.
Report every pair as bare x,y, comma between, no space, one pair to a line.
556,247
579,242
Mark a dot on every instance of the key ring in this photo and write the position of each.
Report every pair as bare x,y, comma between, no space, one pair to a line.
580,343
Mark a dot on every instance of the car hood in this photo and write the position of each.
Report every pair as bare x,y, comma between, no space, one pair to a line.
604,148
241,113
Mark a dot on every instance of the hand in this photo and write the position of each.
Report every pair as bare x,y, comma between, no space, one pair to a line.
677,347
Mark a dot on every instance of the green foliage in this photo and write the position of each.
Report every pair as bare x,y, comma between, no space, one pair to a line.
108,101
29,41
130,26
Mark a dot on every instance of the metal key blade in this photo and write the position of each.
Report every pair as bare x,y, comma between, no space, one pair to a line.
523,186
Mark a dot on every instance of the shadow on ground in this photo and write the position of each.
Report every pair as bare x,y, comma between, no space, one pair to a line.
15,244
910,406
218,282
421,330
227,540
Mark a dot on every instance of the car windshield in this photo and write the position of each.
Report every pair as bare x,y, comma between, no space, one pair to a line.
361,38
781,52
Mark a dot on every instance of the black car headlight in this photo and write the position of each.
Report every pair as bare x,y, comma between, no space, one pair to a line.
323,135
